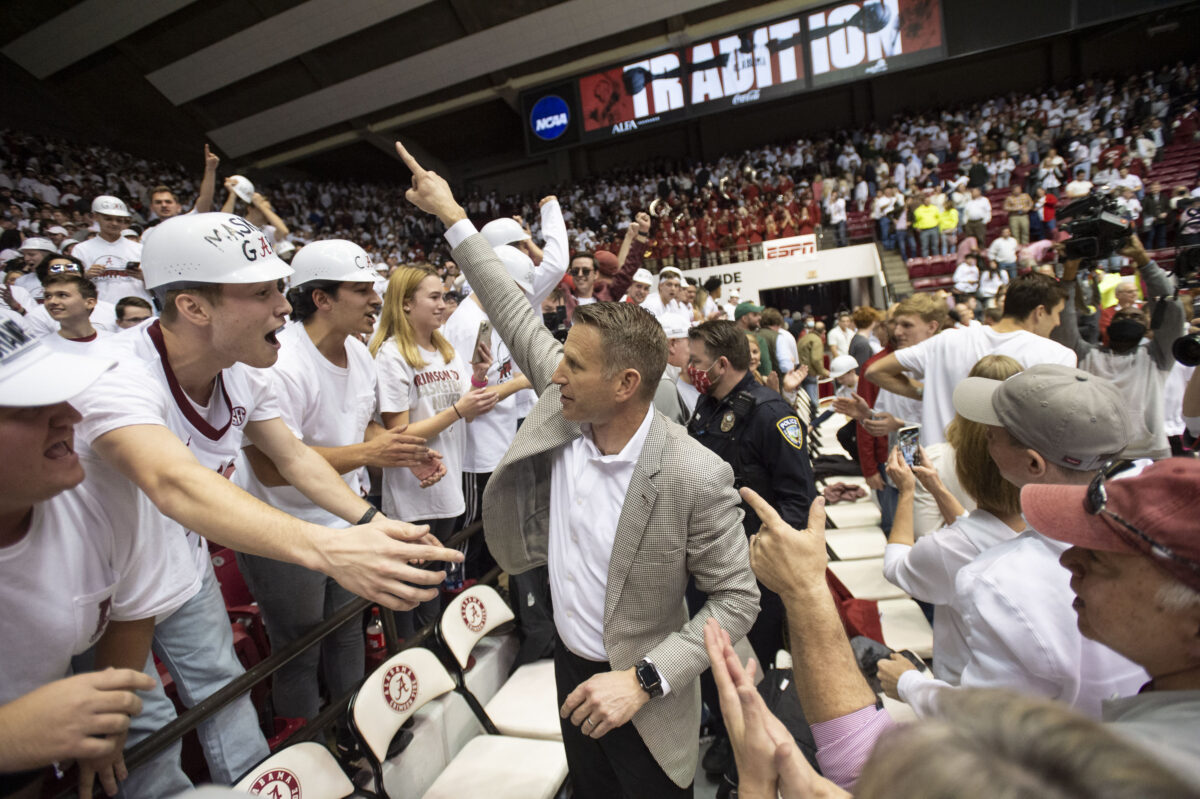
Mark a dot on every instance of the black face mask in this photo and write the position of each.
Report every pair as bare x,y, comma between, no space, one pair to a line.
1124,333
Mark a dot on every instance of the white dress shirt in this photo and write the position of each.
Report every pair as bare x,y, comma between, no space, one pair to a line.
587,495
1022,634
926,571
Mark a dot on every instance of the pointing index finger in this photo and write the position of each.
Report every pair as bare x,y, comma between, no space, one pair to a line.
409,161
766,514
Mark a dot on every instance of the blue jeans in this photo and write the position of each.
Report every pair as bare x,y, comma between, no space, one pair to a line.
1011,269
888,498
195,643
810,387
931,241
905,244
886,236
839,234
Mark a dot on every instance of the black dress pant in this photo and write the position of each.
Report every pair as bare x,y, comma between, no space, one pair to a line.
617,765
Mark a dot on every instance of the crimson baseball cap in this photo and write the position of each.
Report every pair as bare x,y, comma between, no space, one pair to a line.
1072,418
1160,502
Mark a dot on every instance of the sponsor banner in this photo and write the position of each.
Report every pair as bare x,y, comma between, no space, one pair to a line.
740,68
852,40
798,248
751,278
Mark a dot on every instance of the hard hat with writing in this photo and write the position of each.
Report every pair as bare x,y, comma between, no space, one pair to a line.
333,259
209,248
242,187
110,206
519,265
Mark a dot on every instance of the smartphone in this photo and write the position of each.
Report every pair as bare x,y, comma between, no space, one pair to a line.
908,438
484,337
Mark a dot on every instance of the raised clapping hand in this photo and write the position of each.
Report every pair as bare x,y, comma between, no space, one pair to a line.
430,192
854,407
769,762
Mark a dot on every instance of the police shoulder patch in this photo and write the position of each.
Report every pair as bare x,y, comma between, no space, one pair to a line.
792,431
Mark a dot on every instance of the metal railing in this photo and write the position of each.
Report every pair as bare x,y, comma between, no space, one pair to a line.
143,751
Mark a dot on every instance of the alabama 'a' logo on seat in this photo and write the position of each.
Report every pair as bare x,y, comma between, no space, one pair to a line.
278,783
400,687
474,614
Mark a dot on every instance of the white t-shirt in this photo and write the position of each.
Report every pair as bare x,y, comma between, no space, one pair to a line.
489,436
423,392
116,281
966,278
654,305
41,323
325,406
945,360
74,346
84,562
689,395
143,390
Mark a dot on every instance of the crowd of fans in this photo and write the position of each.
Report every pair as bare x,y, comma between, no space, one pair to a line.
1044,519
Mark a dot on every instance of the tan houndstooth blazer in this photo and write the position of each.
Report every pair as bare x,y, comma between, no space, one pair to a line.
681,518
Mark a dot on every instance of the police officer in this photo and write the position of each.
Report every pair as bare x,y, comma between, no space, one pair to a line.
748,425
753,430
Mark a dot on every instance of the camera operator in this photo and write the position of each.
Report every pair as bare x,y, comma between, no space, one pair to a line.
1137,367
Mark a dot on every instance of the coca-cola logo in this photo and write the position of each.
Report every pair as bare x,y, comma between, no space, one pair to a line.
400,688
277,783
746,97
474,614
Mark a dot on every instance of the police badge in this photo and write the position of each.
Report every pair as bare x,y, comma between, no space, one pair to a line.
728,421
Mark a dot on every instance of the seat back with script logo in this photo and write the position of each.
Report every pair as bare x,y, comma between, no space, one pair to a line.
391,694
305,770
469,617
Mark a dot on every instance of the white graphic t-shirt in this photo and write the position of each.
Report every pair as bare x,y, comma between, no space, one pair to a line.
423,392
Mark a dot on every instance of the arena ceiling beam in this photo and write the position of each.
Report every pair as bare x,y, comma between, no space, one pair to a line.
82,30
289,34
542,33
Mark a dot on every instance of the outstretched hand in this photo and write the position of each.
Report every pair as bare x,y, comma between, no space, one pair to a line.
430,192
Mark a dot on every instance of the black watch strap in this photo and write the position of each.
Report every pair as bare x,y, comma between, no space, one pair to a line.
371,513
648,677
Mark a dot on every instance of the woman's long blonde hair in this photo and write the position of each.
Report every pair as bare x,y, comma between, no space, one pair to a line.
394,323
977,473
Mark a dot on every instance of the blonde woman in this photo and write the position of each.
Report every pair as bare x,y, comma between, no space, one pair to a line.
927,568
424,384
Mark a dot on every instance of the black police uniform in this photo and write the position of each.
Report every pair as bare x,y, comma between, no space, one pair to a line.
753,430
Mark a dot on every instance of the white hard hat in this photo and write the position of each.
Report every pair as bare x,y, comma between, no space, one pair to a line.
127,234
519,265
674,325
33,375
503,231
35,243
333,259
643,276
842,364
209,248
112,206
242,187
284,247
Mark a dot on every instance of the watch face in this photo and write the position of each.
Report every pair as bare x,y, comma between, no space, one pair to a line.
647,675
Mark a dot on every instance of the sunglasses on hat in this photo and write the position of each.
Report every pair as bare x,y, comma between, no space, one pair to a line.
1096,500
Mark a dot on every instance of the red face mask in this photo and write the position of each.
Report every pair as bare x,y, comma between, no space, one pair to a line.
700,379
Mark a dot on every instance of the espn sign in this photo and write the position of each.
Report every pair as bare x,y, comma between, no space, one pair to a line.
800,248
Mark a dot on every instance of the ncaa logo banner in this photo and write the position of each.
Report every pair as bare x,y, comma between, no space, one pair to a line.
549,118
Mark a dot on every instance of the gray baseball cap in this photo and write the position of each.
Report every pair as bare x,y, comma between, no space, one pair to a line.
1074,419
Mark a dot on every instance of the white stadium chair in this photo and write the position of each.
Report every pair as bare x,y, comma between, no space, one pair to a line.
305,769
495,766
526,706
